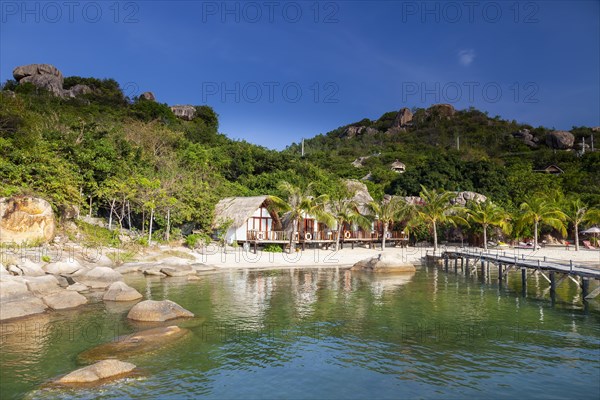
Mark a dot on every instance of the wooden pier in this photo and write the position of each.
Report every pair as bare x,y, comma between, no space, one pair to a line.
554,271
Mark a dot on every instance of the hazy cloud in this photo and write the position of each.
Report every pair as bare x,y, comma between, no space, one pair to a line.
466,57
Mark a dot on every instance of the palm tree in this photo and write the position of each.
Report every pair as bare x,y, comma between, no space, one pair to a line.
387,211
299,203
577,213
488,214
436,207
538,210
344,209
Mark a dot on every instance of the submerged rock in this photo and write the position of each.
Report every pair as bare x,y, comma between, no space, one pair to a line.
158,311
383,263
101,370
179,270
135,343
120,291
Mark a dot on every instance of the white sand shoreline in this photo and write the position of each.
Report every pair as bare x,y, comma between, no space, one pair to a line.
344,258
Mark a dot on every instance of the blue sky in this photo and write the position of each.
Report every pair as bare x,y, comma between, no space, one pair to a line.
279,71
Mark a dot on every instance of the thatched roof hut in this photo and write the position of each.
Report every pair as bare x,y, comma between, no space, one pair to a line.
398,166
240,209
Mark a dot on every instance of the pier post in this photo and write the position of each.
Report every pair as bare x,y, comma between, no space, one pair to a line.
552,283
455,265
500,272
585,287
524,281
446,263
483,269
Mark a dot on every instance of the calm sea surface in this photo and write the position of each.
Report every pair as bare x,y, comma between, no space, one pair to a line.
302,334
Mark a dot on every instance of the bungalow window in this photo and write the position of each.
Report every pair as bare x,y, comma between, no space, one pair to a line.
261,223
309,225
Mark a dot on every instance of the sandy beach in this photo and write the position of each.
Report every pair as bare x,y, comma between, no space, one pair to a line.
320,258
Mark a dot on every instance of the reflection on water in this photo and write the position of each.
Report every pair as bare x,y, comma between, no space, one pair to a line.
326,333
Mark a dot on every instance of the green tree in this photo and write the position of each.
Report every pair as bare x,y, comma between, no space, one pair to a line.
577,212
387,211
435,208
488,214
342,208
299,203
539,211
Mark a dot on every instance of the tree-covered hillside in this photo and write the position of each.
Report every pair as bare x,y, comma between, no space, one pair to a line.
133,160
103,150
467,150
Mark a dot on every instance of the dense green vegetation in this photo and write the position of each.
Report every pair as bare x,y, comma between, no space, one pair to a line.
134,163
490,160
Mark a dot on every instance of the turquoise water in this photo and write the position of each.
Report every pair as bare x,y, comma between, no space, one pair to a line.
300,334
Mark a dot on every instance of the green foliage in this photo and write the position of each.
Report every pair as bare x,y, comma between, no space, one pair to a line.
273,248
147,110
96,236
46,258
196,239
129,160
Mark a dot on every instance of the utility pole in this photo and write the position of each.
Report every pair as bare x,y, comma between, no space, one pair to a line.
457,142
302,147
592,143
583,145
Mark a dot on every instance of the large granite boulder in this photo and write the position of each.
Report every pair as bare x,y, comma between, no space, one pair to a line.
64,299
120,291
560,140
101,370
24,219
29,268
41,286
77,90
383,263
44,76
98,277
178,270
353,131
158,311
403,118
16,300
462,198
186,112
148,96
63,267
21,308
441,110
135,343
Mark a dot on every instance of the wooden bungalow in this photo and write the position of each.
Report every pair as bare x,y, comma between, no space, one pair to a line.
551,169
252,218
398,167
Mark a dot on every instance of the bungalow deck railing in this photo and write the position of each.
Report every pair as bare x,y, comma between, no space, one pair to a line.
267,235
279,236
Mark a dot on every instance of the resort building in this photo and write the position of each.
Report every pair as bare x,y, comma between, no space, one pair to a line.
252,218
